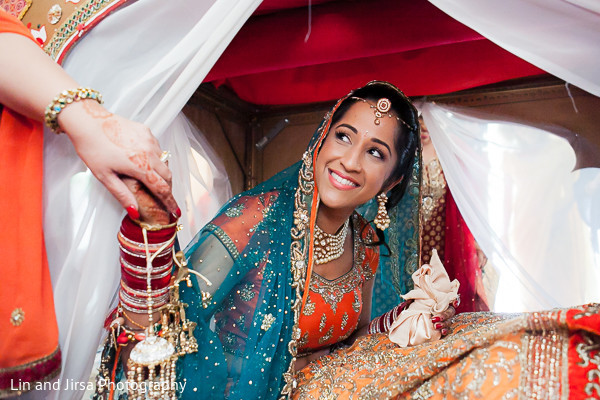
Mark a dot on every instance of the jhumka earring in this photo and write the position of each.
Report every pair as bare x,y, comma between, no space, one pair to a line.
382,220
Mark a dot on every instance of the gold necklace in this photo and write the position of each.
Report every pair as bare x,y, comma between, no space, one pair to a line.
329,247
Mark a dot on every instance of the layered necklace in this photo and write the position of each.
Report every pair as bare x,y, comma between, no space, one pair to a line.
329,247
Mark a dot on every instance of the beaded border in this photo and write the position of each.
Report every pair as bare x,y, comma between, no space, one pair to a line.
41,370
22,12
85,17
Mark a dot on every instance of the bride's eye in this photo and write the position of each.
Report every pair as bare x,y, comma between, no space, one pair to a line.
376,153
342,136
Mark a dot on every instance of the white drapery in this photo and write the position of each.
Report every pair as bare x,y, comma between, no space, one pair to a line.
147,59
534,216
558,36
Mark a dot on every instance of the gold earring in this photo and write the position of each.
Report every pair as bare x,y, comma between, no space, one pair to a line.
382,220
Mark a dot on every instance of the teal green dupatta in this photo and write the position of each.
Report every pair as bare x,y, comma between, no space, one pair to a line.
257,255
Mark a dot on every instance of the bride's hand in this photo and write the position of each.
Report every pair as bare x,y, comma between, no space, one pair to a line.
441,322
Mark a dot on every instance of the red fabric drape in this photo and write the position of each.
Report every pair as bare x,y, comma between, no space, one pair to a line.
410,43
460,260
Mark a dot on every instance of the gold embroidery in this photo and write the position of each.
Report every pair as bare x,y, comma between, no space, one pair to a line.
247,292
268,320
309,307
392,370
224,238
41,364
356,304
298,254
542,360
525,354
16,9
236,211
348,333
588,311
17,316
333,291
344,320
303,341
327,336
433,189
590,344
75,25
322,323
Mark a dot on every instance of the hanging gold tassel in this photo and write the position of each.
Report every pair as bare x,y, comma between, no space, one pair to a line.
151,370
151,365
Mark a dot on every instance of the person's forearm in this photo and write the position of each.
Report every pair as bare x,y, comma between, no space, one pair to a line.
29,78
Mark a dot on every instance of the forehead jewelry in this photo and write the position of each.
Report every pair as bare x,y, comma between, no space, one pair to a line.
381,108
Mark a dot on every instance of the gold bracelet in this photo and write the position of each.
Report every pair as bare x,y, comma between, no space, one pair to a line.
65,98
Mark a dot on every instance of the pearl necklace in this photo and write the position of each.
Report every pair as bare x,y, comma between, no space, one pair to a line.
329,247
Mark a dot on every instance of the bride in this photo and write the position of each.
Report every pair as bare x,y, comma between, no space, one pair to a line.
289,265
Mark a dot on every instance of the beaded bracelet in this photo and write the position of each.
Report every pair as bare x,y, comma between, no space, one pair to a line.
65,98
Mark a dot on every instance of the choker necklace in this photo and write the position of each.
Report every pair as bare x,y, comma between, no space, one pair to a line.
329,247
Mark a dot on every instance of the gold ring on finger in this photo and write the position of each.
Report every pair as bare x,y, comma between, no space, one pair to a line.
165,155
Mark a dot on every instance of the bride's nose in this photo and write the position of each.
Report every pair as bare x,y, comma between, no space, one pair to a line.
351,160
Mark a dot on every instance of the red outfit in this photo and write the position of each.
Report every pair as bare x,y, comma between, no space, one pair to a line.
29,349
444,229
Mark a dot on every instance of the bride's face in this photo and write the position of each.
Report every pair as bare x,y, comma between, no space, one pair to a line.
356,158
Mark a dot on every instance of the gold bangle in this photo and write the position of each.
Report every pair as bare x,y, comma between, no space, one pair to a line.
65,98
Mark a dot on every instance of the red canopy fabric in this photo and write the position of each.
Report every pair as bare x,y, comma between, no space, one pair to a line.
409,43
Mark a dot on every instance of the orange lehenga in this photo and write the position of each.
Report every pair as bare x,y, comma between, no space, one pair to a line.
544,355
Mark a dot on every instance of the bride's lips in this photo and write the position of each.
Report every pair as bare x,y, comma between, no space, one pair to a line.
340,181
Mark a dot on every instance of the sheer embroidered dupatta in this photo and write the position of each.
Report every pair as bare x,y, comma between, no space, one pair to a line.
256,254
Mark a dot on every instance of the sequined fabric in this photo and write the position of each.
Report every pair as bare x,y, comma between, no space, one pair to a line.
433,208
547,355
333,307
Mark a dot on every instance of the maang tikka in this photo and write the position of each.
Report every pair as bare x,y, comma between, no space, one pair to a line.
381,108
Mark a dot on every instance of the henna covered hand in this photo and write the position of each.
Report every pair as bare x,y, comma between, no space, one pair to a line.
115,148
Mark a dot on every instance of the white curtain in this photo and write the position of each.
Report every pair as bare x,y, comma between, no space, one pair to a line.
147,59
558,36
534,216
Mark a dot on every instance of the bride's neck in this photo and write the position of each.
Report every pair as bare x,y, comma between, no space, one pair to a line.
331,220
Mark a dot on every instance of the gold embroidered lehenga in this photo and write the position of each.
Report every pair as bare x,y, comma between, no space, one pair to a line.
545,355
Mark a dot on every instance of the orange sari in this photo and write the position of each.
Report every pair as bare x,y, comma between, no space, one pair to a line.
29,349
543,355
